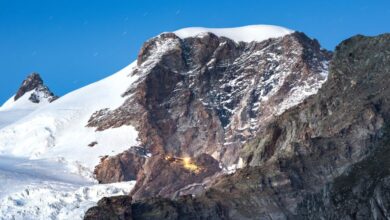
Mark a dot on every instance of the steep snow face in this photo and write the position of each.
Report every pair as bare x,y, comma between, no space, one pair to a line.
245,34
59,131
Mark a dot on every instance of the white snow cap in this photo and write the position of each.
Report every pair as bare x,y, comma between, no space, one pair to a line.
246,33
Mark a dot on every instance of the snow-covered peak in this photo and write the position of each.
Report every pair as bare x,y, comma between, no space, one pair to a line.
246,33
32,82
32,93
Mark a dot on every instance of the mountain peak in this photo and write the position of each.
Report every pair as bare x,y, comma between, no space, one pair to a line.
34,82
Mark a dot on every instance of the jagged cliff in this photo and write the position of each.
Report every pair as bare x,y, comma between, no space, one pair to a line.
323,159
208,94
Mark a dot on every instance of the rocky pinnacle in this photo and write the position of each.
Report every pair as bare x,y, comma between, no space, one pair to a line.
34,82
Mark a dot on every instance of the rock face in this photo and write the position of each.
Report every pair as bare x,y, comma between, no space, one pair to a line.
124,167
326,158
118,207
165,178
209,95
35,84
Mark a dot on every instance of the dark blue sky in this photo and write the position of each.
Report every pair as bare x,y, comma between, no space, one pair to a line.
72,43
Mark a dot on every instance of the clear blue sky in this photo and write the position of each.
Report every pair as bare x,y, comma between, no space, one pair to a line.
72,43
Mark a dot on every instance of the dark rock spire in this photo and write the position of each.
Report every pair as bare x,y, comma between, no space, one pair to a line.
34,82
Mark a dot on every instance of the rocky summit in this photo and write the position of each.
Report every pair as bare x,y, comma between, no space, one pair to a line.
37,90
275,132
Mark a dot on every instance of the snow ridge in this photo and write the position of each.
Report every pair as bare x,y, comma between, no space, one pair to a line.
245,34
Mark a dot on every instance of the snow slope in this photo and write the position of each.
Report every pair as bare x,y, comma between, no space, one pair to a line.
57,130
11,110
46,164
246,33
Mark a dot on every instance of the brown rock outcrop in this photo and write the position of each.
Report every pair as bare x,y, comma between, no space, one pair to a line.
124,167
164,178
209,94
